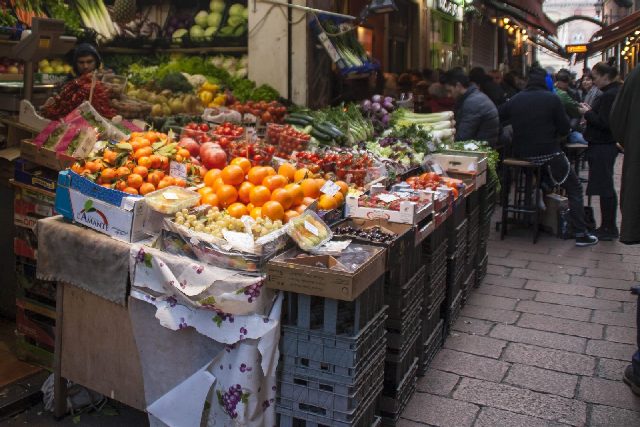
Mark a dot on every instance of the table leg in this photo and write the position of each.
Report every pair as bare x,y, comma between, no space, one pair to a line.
59,383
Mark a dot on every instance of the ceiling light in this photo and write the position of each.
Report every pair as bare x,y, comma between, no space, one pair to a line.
505,20
382,6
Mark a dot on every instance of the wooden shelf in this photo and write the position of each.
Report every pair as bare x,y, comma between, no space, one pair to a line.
189,50
6,47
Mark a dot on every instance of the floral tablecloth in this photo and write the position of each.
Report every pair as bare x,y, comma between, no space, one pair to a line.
238,386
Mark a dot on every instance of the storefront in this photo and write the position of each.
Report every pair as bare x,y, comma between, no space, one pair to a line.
446,35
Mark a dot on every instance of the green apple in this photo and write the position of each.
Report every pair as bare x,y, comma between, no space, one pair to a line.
201,18
236,10
235,20
216,6
213,20
179,34
209,32
196,32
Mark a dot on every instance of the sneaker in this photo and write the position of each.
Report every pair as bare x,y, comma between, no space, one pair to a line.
631,380
607,234
586,240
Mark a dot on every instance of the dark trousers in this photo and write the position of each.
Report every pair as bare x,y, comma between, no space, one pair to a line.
558,168
635,361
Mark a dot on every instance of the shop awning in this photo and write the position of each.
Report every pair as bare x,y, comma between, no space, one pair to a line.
529,11
614,33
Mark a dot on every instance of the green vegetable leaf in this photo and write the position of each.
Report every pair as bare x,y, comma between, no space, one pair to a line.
88,205
124,146
147,260
76,419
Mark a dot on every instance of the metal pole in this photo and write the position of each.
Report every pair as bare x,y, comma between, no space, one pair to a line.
309,9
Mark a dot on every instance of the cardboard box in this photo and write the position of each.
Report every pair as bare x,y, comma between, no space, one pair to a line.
554,203
35,175
31,204
108,211
301,275
44,156
469,162
409,212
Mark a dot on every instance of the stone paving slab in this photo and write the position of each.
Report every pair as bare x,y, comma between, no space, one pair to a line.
543,341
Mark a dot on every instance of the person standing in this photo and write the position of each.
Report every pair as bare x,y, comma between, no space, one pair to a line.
602,151
475,114
539,122
626,130
589,91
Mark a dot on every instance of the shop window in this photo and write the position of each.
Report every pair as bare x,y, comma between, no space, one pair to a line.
447,31
397,55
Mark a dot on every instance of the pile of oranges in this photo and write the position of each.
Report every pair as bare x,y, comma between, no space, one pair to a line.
137,166
263,192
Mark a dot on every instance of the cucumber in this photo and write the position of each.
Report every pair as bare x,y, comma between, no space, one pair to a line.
302,116
329,130
296,121
320,136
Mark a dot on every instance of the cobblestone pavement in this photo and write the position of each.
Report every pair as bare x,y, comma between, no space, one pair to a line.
542,342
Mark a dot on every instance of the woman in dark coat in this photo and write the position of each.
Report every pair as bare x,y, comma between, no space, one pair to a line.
625,127
602,150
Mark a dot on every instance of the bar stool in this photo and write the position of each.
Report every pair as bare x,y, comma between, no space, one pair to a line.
526,177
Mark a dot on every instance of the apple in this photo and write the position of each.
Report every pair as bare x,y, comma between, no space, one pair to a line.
191,145
13,70
201,18
216,6
196,32
213,19
212,156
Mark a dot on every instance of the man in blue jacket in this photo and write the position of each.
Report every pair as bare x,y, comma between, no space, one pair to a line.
539,123
475,114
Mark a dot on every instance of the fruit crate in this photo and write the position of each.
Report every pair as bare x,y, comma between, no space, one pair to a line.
297,414
431,347
458,213
481,269
343,353
452,310
473,201
430,319
400,332
457,237
35,323
391,405
400,299
32,288
336,317
397,363
434,288
329,395
467,285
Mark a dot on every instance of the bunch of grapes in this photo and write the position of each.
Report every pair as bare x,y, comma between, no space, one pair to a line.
229,400
253,291
264,226
215,221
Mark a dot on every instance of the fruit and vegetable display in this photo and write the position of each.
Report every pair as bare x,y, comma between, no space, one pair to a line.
11,66
215,222
309,231
378,109
390,201
431,181
373,234
54,66
209,23
75,93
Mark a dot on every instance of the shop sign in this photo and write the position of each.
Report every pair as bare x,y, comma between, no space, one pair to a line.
576,48
448,7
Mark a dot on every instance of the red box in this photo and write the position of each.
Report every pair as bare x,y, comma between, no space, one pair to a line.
36,322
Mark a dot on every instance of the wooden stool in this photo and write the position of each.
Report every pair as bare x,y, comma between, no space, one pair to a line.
526,177
575,153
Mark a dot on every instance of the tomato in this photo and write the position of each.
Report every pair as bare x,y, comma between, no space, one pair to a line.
204,127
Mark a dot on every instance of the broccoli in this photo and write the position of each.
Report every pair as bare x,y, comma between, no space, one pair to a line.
176,82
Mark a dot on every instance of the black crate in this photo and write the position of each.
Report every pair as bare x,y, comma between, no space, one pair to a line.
452,310
430,321
458,213
457,238
481,269
397,363
469,283
340,318
473,201
431,347
401,331
390,406
400,299
435,287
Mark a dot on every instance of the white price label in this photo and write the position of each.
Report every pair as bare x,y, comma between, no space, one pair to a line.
170,195
472,167
178,170
471,146
238,240
330,188
437,168
387,198
44,210
312,228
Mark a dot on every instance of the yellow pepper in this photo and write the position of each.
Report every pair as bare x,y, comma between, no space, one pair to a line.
211,87
205,97
220,99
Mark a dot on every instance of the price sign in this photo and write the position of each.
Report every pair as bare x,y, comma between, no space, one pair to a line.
178,170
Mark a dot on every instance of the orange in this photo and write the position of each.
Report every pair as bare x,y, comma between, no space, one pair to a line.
106,185
232,175
77,168
210,199
259,195
164,162
217,183
122,171
273,210
344,187
308,201
144,161
142,152
180,182
301,174
155,160
108,175
227,195
170,180
109,156
287,170
155,177
256,213
134,180
244,192
130,190
301,208
257,174
250,207
290,214
165,182
243,162
141,170
283,197
321,182
237,210
270,170
205,190
296,192
211,176
184,153
121,185
339,198
274,181
310,188
147,188
327,203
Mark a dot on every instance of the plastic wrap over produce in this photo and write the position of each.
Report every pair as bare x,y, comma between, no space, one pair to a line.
238,385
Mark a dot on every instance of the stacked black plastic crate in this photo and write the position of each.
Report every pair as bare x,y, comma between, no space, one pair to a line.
473,239
434,255
332,354
487,199
456,228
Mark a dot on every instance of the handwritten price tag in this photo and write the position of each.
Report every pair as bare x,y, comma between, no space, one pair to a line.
330,188
178,170
312,228
388,198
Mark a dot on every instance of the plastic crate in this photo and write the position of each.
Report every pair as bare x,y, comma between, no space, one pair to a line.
32,288
341,318
396,365
481,270
399,299
430,321
329,395
399,333
317,348
431,347
467,285
390,407
435,289
36,323
457,237
458,213
296,414
453,310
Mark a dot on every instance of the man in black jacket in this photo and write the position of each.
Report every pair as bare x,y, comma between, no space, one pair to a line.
539,121
476,116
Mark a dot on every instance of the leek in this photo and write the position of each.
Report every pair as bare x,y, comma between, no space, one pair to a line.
94,15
